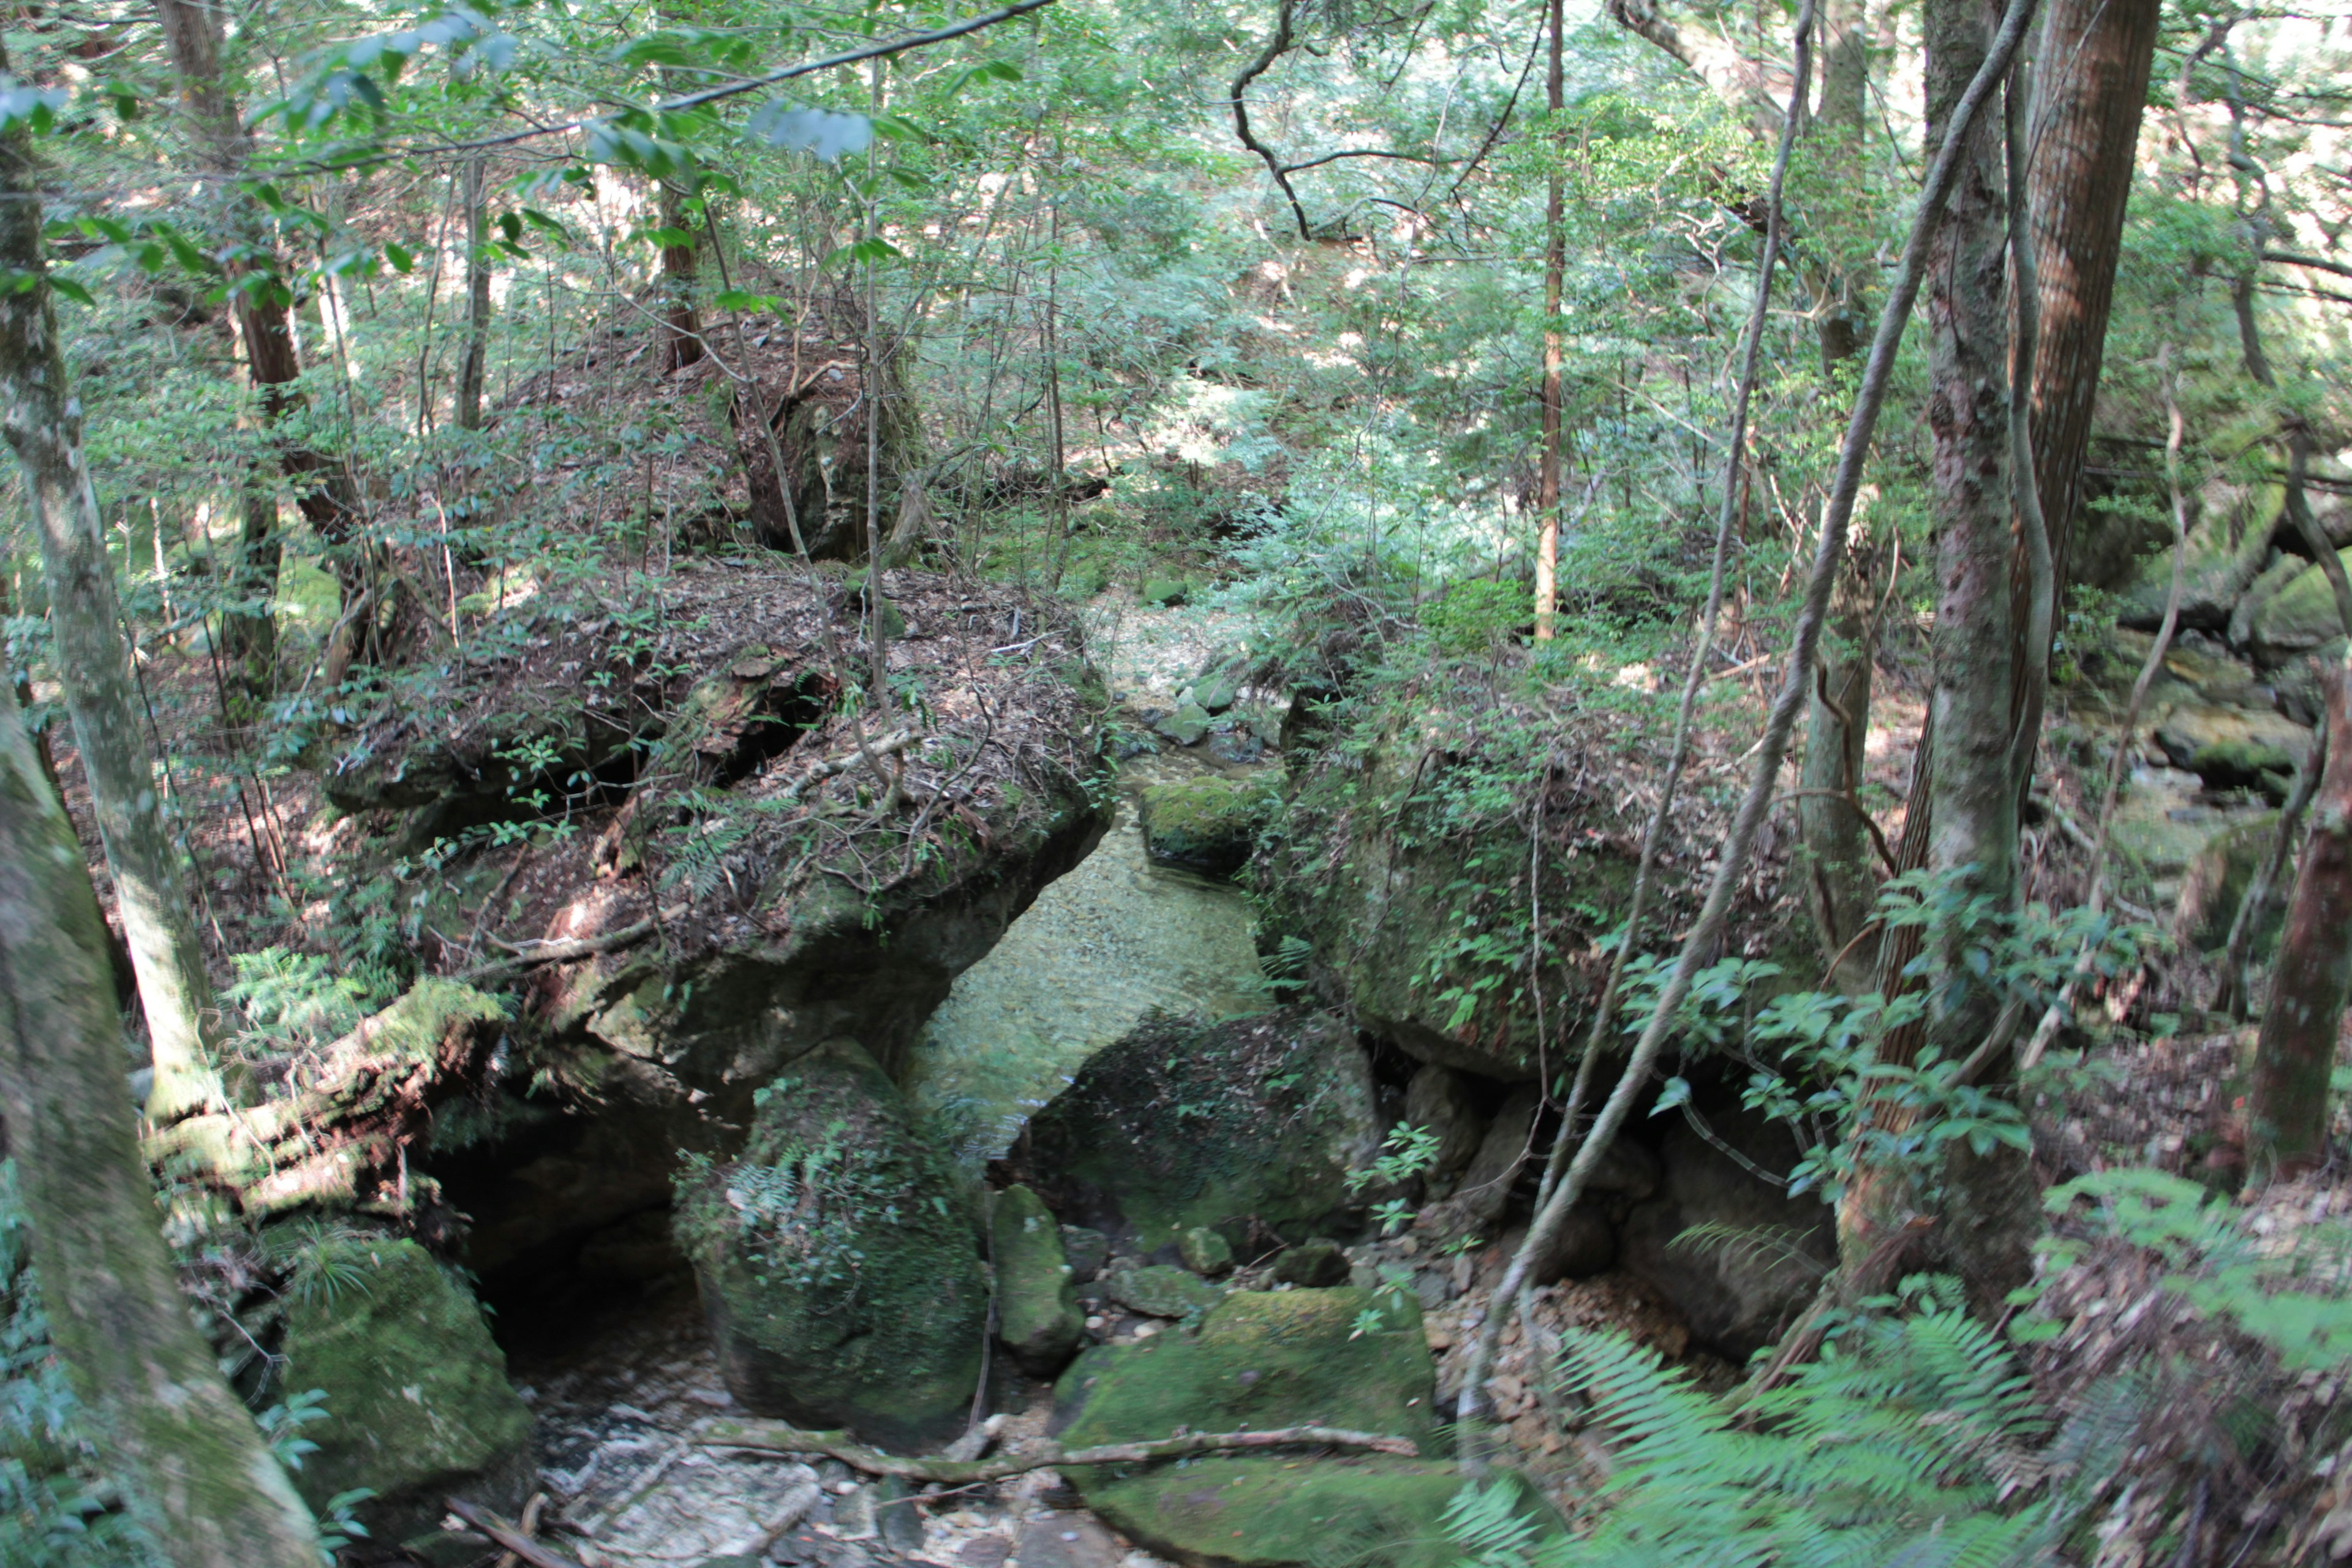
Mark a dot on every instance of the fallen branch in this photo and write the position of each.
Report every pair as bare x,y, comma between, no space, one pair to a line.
527,954
896,741
775,1438
507,1536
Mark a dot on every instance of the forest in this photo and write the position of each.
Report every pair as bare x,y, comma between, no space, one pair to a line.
1244,783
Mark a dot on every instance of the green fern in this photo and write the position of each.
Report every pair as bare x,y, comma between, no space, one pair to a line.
1915,1440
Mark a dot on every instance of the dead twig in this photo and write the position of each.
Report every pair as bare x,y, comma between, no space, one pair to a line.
527,954
522,1546
774,1436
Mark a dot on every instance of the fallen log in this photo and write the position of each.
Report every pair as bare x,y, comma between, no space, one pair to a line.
775,1436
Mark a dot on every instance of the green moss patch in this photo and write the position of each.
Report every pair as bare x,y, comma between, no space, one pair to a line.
1207,825
1037,1315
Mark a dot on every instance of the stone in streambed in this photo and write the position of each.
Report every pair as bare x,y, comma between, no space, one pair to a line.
1037,1315
1206,824
1159,1291
1087,1251
1316,1264
418,1406
836,1261
1186,725
1205,1252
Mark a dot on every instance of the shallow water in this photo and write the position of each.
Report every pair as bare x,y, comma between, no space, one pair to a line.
1114,939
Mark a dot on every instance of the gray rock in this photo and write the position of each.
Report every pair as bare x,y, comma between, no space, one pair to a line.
1439,1098
1221,687
1485,1189
2234,748
984,1551
1736,1295
1626,1168
899,1522
1068,1541
1317,1263
1205,1252
1236,745
1087,1251
1156,1290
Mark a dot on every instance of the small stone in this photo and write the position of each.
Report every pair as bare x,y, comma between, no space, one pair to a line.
1074,1541
1095,1323
1145,1330
984,1551
1159,1292
717,1398
1317,1264
853,1515
1205,1252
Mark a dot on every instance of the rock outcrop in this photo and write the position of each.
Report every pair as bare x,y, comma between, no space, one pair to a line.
1037,1316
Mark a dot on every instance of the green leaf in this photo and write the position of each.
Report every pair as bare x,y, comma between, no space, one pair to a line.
72,290
403,259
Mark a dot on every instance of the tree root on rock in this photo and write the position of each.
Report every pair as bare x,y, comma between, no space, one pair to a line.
774,1436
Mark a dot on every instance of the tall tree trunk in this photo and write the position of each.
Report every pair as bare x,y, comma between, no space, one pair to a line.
2090,85
1988,1213
1841,889
42,424
2286,1109
477,297
323,486
1555,268
681,322
198,1473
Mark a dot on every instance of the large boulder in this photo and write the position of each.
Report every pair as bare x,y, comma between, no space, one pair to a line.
1736,1256
837,1260
2227,549
1393,863
2299,618
2232,747
418,1409
1343,1358
1252,1127
1037,1315
1207,824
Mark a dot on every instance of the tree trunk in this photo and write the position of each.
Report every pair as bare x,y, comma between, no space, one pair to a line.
1841,889
42,424
1555,268
681,323
323,486
478,299
2090,85
2286,1110
196,1471
1984,1229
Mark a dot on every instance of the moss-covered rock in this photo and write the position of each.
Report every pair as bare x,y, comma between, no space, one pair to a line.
1186,725
1037,1315
1389,862
1252,1127
1206,824
1268,1359
418,1407
1205,1252
836,1259
2234,748
1158,1290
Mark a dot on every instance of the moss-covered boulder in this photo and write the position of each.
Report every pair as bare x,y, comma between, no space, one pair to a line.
417,1404
1251,1127
1400,857
1269,1359
1206,824
1037,1315
2233,747
1156,1290
836,1259
2299,618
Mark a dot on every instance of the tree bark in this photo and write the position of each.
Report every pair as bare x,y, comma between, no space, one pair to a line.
43,425
478,298
196,1470
681,322
2090,85
1989,1218
2286,1109
1555,268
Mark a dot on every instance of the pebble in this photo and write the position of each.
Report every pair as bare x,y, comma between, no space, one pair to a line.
717,1398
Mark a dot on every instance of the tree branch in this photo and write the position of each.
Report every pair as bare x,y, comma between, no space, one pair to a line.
1276,47
774,1436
